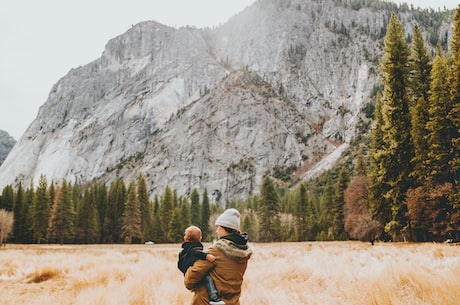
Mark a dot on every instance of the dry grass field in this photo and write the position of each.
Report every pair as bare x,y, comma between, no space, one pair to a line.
279,273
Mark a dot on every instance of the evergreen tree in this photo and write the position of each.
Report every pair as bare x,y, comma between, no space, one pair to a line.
115,205
326,206
88,230
175,231
379,205
61,227
338,204
157,232
100,200
420,67
146,208
41,210
438,125
420,79
205,215
20,212
454,113
184,214
166,211
7,202
302,214
268,212
131,230
28,233
195,210
397,150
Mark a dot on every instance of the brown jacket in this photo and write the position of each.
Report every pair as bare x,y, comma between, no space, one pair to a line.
232,254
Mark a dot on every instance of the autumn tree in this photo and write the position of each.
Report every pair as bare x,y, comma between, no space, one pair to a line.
358,222
428,211
6,225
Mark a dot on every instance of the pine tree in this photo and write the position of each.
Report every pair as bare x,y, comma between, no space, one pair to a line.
438,125
88,230
115,205
131,231
7,202
19,215
205,215
28,233
195,209
61,227
146,208
166,211
269,209
338,204
302,214
454,113
420,78
420,67
397,150
379,205
157,232
175,231
326,206
41,210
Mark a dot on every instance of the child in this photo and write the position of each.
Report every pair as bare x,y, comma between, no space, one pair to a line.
192,250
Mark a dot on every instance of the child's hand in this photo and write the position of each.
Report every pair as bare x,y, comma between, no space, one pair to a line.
210,258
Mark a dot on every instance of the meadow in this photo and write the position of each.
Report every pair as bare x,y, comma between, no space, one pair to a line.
278,273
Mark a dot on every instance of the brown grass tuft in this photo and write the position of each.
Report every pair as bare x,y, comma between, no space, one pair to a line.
43,274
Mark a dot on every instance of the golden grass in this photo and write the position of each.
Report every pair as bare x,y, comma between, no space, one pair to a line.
279,273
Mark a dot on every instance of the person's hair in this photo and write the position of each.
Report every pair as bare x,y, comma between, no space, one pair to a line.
229,230
193,233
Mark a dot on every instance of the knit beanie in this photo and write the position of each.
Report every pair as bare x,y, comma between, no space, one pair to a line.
230,218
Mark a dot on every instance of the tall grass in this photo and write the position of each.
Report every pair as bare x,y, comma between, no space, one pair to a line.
278,273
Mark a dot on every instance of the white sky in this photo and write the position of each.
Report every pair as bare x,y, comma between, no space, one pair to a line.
41,40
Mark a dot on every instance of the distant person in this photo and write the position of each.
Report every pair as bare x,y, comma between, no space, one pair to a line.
232,253
192,250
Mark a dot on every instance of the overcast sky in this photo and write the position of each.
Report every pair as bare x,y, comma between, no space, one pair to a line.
41,40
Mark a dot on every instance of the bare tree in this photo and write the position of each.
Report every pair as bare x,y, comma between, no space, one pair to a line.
6,225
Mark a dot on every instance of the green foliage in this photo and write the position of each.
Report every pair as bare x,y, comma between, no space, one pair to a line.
131,230
268,212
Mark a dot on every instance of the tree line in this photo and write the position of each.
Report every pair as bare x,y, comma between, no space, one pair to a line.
403,185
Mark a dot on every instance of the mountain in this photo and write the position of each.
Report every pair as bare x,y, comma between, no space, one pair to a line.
279,88
6,144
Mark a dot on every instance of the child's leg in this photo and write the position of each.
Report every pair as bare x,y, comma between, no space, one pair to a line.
211,288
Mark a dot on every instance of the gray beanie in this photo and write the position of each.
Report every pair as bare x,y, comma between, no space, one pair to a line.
230,218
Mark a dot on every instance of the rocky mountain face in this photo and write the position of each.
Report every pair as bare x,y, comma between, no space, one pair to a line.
6,144
280,86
